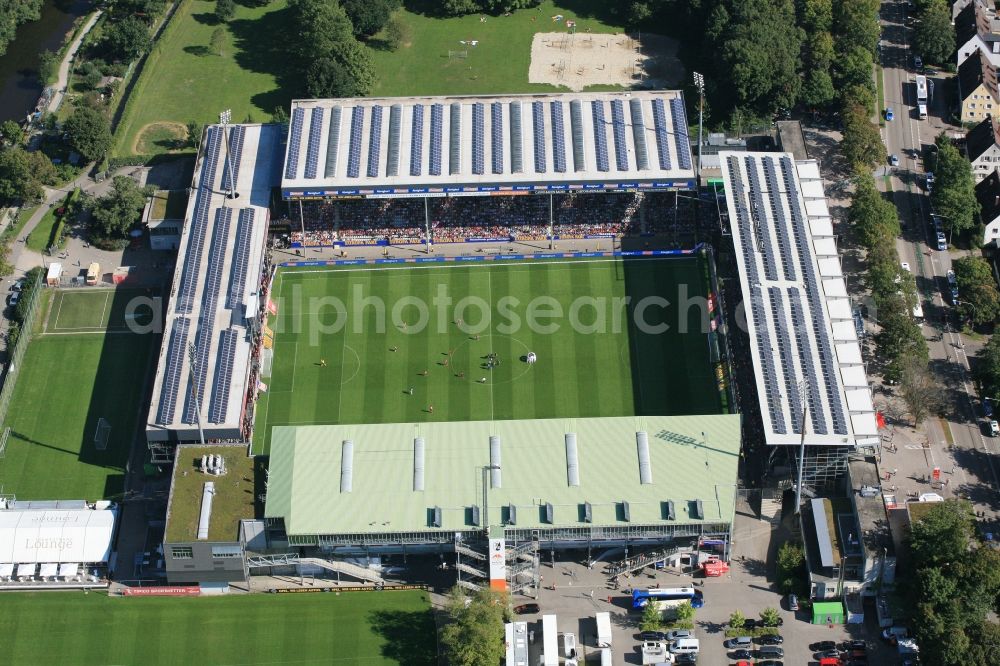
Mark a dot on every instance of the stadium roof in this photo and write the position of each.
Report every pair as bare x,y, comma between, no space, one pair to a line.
56,535
800,318
402,146
216,286
393,476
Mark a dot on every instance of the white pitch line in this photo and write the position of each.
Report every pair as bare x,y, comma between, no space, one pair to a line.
489,289
107,298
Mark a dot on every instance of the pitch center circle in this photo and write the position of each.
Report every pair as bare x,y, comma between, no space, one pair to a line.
462,356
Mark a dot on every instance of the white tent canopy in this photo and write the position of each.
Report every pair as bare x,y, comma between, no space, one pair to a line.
34,536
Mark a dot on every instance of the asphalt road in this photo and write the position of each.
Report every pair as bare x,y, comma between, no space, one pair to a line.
906,136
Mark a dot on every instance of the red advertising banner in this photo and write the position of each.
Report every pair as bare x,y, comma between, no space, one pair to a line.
163,591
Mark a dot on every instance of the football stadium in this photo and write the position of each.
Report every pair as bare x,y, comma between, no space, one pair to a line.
482,322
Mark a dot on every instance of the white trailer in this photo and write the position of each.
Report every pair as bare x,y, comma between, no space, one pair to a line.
550,641
603,630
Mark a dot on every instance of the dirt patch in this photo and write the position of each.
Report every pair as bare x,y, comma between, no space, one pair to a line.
159,137
578,60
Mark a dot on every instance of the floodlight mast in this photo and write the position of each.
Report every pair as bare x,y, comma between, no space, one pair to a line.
804,396
224,119
699,82
193,356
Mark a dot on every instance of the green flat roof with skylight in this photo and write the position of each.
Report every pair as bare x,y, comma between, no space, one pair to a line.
391,477
233,500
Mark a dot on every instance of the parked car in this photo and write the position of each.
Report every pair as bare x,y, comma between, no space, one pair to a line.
653,636
770,639
918,62
739,642
942,241
905,265
770,662
527,609
678,634
686,658
828,654
853,645
987,404
823,646
793,602
889,115
14,298
18,285
994,429
741,654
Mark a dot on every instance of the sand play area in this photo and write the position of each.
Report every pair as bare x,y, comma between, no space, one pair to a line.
578,60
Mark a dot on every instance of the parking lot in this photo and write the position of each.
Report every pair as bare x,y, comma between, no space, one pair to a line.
580,592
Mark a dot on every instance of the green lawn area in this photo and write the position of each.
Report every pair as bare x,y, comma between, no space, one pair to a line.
169,205
183,82
72,375
40,237
302,629
499,64
588,364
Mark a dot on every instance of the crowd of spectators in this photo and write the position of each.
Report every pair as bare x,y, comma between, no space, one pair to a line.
456,219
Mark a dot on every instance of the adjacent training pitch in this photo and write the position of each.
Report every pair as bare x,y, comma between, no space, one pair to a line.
338,360
349,628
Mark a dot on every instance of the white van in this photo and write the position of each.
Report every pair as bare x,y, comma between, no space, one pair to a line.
606,657
569,645
918,310
685,646
922,111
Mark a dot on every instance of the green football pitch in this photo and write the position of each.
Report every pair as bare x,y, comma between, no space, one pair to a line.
301,629
83,365
406,343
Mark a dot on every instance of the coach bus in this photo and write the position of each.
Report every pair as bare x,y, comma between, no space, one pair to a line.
667,597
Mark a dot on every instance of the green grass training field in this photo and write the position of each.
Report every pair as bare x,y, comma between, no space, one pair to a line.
83,366
295,629
589,364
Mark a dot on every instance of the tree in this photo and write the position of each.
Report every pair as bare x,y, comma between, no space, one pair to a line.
128,39
89,133
12,14
474,633
899,338
652,618
862,143
224,10
115,212
770,617
22,175
11,131
396,33
368,16
942,534
934,38
790,566
874,219
737,619
856,23
217,41
987,368
321,25
684,614
194,130
920,390
48,66
980,297
954,195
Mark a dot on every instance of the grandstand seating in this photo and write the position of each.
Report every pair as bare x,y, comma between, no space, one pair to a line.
516,138
576,127
639,134
496,137
241,257
682,142
618,130
294,140
354,149
660,125
600,136
333,143
417,141
209,298
374,141
478,139
176,349
392,153
558,137
225,359
437,127
538,114
315,135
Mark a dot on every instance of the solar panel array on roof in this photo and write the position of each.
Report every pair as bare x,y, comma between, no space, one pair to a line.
639,133
225,359
209,298
417,140
558,137
683,144
176,348
515,138
354,148
332,143
600,138
538,114
192,259
496,136
241,257
455,142
576,128
294,140
478,138
374,141
778,211
787,364
618,127
662,140
236,133
758,216
437,127
315,136
395,126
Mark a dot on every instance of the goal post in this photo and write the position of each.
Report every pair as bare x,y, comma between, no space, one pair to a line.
101,434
